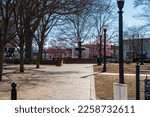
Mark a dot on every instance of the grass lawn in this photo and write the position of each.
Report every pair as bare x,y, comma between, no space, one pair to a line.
104,83
128,68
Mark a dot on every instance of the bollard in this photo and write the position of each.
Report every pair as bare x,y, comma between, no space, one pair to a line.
137,81
13,91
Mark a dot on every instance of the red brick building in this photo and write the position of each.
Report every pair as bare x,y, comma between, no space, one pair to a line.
94,50
57,53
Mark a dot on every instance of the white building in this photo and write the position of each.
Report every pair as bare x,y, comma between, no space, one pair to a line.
136,48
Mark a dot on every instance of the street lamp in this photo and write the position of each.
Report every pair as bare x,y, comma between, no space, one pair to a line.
99,61
142,51
100,48
105,29
121,63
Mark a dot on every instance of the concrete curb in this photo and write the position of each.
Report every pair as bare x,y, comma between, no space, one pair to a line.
92,86
115,74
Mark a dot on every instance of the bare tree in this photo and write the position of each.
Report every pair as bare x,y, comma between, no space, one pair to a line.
141,2
19,9
76,25
143,14
25,21
87,23
52,15
104,13
42,8
59,7
133,35
7,32
46,24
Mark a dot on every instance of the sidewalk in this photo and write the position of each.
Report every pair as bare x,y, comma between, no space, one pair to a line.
68,82
116,74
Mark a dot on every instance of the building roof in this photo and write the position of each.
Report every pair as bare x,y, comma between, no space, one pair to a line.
137,39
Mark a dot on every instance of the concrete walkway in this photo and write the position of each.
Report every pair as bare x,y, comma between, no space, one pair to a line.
68,82
116,74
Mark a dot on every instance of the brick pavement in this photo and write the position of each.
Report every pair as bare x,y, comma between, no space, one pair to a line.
71,81
68,82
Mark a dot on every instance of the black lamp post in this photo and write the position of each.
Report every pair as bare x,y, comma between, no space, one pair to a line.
142,51
100,49
105,29
121,62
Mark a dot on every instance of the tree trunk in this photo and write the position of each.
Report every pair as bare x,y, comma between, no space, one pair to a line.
1,66
1,57
28,47
41,50
39,57
29,39
21,59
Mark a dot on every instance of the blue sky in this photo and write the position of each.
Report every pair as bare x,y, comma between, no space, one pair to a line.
129,12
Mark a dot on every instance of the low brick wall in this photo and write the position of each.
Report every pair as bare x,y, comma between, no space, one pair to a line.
66,61
57,62
81,61
47,62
